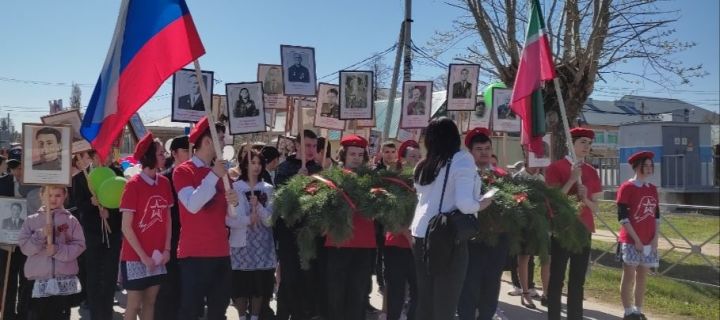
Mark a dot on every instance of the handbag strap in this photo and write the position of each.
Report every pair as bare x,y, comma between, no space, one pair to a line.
447,174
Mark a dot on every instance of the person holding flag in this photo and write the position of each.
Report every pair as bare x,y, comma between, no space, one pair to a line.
203,249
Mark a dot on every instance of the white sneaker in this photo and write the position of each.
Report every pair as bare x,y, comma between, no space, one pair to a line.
515,292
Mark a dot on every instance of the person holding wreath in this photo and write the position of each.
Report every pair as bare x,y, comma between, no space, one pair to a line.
147,230
580,179
639,216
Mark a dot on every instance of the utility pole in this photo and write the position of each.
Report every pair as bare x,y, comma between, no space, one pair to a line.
407,70
394,82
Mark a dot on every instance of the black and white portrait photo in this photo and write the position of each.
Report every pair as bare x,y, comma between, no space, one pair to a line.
245,107
13,212
416,104
137,127
298,66
327,114
356,88
480,117
69,118
462,86
271,76
47,149
187,102
504,119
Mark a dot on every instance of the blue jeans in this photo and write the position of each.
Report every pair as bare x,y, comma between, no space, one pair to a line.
204,280
482,282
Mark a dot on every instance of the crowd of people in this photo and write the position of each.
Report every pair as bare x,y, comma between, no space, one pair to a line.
183,246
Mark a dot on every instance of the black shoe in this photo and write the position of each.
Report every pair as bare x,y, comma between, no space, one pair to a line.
543,301
632,316
642,316
370,309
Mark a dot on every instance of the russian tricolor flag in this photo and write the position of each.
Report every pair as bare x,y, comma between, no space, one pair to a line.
152,40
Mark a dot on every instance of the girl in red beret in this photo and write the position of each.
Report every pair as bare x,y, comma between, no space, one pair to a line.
639,216
146,228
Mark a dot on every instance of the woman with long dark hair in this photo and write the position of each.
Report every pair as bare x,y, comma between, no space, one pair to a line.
439,290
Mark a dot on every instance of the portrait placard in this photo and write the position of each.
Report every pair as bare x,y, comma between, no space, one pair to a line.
307,107
187,102
374,143
298,65
462,86
285,145
541,160
327,113
416,104
271,76
480,117
219,108
356,88
47,150
13,212
245,107
72,119
504,119
137,127
408,134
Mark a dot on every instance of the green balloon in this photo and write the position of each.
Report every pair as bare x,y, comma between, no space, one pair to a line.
487,93
98,176
111,191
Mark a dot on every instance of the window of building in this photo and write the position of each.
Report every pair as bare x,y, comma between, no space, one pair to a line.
599,137
612,138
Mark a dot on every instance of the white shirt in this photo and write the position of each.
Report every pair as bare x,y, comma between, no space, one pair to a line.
195,198
239,224
462,192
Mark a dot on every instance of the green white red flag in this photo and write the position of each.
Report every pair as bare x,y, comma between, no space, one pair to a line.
536,66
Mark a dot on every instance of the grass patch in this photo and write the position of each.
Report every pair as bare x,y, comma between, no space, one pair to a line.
664,296
695,227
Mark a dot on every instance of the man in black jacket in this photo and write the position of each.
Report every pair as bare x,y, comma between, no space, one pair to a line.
102,253
300,293
166,303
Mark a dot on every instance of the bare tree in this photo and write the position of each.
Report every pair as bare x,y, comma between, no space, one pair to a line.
75,95
440,82
591,40
382,73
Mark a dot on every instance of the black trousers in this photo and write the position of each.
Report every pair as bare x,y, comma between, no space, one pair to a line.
50,308
438,294
399,275
166,303
204,281
302,293
101,268
348,274
531,273
576,280
482,284
18,295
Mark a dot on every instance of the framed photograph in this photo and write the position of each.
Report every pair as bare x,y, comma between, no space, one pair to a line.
298,66
307,107
416,104
219,108
480,117
47,149
408,134
13,212
327,113
462,86
137,127
187,103
285,145
504,119
541,160
374,143
271,75
356,88
367,123
70,118
245,107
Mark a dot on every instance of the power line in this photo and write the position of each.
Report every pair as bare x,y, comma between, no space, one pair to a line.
44,83
379,54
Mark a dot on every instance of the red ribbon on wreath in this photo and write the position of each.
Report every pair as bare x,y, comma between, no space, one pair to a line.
333,186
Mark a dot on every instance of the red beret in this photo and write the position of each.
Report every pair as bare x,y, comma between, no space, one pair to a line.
143,145
405,145
640,155
354,141
474,132
198,130
582,133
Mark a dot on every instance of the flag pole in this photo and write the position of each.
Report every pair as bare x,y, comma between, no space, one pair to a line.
211,125
566,124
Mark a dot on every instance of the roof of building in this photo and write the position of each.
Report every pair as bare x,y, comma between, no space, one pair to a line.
631,108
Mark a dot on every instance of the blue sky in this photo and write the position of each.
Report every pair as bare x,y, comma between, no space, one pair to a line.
59,42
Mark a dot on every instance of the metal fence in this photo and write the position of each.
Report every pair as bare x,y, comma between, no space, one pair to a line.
680,244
